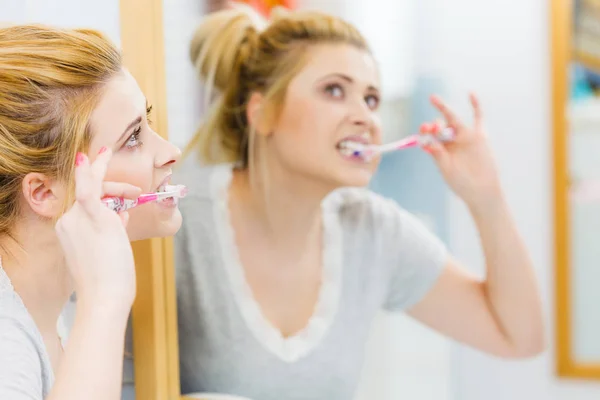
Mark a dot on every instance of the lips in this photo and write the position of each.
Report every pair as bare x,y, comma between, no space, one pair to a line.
165,182
354,142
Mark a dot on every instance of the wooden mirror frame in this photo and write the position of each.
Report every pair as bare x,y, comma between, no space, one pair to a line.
154,313
563,54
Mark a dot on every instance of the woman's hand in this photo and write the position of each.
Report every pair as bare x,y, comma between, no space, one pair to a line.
466,163
96,246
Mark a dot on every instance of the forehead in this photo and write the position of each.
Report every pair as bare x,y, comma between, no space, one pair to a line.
347,60
122,101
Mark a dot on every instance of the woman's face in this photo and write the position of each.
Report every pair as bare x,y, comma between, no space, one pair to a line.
140,156
335,97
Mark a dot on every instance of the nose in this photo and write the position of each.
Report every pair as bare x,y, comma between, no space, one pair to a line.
362,115
168,154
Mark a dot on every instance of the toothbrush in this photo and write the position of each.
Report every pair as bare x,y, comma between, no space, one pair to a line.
119,204
368,151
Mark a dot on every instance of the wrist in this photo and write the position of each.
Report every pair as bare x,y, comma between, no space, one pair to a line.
103,307
492,208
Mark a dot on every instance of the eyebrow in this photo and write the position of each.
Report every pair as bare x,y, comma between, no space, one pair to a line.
347,79
131,125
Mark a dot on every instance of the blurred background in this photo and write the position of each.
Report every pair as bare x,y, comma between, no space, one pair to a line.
500,49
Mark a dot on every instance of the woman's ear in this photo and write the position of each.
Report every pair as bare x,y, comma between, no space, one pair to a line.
255,112
43,195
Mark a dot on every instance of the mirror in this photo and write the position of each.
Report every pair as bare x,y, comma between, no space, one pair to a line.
153,318
185,108
576,110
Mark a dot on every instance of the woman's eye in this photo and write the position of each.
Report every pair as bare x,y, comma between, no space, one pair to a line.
134,140
149,114
335,90
372,101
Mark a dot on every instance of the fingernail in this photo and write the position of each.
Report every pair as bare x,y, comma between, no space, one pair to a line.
79,159
434,127
102,150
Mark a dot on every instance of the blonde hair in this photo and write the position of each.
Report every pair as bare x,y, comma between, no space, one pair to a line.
236,53
50,82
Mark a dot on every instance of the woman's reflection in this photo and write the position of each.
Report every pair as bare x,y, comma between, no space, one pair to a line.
285,257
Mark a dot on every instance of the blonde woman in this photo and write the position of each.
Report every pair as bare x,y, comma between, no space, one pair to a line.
284,256
73,128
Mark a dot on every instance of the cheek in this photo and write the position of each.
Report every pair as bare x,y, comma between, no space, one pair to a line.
134,169
307,122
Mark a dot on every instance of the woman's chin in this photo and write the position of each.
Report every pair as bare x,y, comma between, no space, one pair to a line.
154,227
356,178
172,226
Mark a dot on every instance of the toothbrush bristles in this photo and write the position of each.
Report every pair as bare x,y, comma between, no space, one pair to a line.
184,191
176,191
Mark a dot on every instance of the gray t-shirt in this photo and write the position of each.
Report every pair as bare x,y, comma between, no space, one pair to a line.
375,256
25,368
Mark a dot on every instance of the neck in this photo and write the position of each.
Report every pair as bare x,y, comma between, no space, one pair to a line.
36,267
286,207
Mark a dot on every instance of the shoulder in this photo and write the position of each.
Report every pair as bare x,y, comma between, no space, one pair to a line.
16,325
17,338
368,216
21,353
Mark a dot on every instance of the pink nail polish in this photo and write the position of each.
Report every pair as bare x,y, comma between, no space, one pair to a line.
102,150
78,159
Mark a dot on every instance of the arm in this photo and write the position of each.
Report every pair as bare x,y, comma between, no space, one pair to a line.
99,256
93,361
501,315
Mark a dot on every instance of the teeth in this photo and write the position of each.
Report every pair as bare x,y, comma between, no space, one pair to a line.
346,151
351,145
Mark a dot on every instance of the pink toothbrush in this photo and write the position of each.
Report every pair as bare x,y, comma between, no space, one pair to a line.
369,151
119,204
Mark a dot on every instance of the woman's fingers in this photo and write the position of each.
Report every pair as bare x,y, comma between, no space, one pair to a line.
119,189
449,115
83,179
124,218
99,167
477,113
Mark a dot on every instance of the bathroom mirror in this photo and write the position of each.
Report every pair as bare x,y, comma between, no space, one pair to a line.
575,43
155,36
154,324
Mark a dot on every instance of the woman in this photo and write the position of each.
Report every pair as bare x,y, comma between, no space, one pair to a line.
64,97
284,257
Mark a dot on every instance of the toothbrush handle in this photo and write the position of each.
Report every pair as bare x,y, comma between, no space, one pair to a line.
119,204
445,135
410,141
